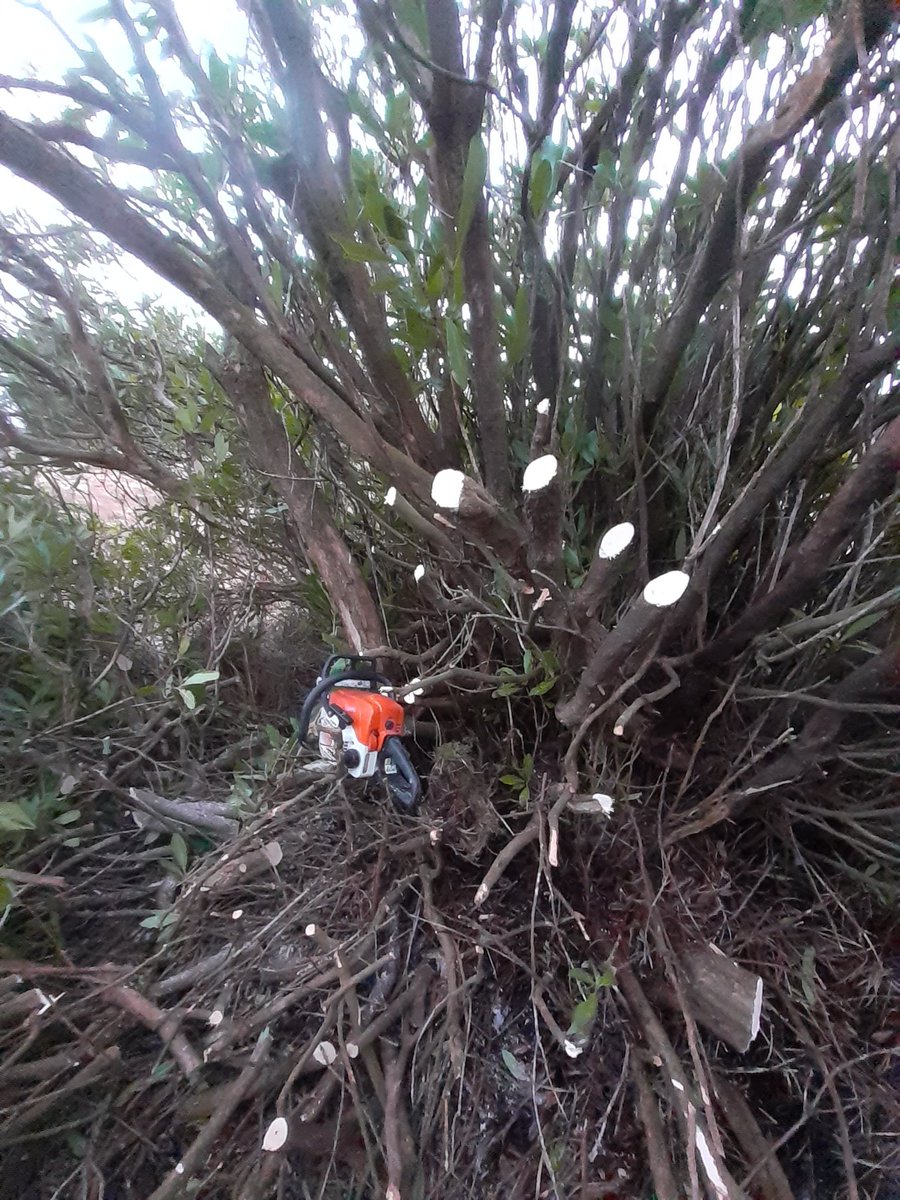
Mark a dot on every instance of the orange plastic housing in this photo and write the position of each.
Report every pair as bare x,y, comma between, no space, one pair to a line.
375,717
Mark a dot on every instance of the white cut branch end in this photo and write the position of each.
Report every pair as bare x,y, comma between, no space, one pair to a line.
710,1166
273,853
540,473
447,489
615,540
276,1135
325,1054
756,1017
667,589
390,498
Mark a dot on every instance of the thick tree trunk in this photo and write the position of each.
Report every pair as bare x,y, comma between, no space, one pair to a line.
310,514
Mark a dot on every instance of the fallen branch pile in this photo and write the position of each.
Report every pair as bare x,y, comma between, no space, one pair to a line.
337,1001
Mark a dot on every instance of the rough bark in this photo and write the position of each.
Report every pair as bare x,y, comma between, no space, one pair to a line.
454,114
309,512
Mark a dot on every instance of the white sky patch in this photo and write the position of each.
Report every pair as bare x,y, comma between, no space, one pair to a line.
666,589
31,46
447,488
390,497
540,473
543,407
419,573
616,540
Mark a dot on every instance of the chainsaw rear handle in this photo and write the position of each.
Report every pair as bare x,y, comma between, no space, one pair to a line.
325,685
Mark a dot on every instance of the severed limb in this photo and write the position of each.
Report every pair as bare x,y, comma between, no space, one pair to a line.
604,572
641,621
659,1159
543,503
501,863
757,1150
480,516
175,1183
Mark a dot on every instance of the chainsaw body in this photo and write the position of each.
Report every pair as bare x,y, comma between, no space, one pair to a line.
360,727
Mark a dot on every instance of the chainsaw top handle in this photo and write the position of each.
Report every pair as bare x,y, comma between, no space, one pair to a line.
330,681
339,664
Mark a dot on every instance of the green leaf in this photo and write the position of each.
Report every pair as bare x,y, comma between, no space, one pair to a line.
184,645
69,817
419,331
605,978
276,741
456,352
760,18
200,677
506,689
190,700
472,186
583,1015
861,625
153,921
580,975
541,187
434,280
542,688
513,1065
221,448
179,849
219,76
361,251
519,330
514,781
605,170
14,818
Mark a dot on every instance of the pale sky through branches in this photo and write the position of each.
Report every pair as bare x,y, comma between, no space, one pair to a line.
31,46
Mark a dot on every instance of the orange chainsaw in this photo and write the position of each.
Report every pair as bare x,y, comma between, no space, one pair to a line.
360,726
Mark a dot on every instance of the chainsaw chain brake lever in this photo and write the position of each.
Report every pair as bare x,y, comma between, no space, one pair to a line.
399,774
